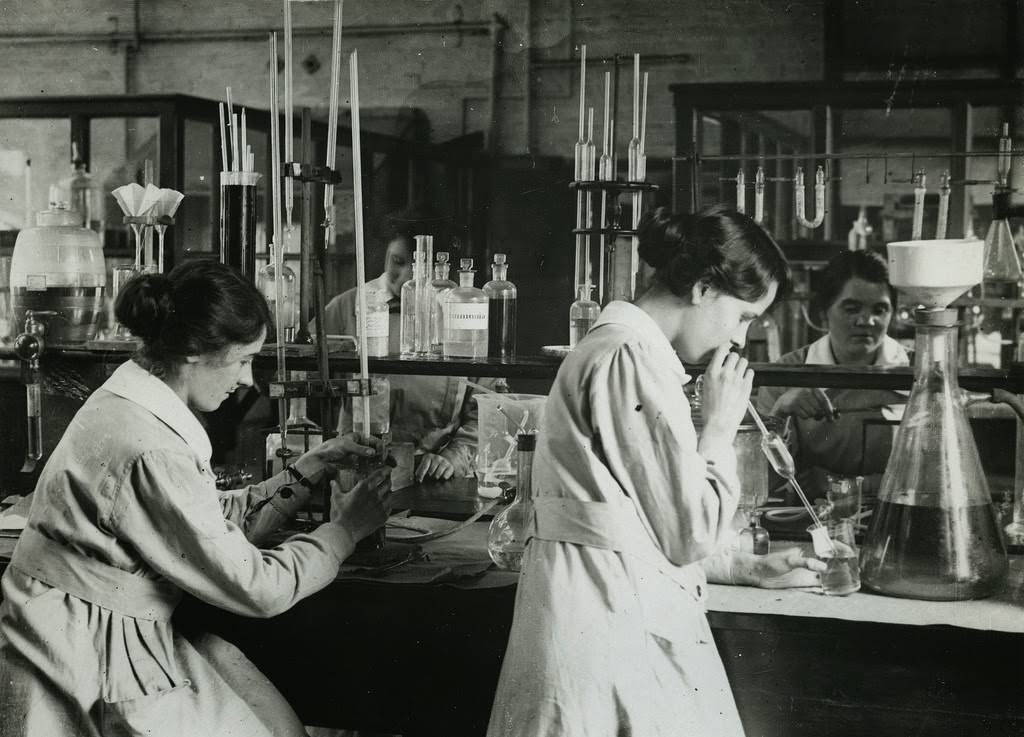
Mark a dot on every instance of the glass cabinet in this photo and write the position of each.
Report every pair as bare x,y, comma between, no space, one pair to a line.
110,139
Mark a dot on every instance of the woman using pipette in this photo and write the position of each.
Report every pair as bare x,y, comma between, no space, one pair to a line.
436,414
126,517
631,509
827,432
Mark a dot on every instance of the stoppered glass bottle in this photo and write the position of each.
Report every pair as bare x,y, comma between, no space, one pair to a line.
583,313
439,286
407,335
465,329
501,311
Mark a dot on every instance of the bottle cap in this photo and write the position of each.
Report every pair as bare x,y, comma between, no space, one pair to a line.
466,264
526,441
442,257
499,258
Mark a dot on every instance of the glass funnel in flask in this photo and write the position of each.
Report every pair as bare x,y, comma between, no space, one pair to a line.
934,534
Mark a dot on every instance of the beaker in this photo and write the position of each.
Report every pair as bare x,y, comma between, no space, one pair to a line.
120,275
238,220
501,418
934,533
842,575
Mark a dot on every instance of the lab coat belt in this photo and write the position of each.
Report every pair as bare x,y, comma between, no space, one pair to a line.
608,526
93,580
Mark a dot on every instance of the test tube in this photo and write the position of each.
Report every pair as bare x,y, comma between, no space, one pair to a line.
919,192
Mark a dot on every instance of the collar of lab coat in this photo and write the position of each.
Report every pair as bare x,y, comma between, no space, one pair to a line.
638,321
891,353
135,384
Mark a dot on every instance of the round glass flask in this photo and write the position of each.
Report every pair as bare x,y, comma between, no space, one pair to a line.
506,536
934,534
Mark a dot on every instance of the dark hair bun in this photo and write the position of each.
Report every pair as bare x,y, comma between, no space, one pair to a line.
662,236
716,246
144,304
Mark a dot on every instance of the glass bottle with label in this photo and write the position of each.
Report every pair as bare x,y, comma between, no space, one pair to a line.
377,323
440,286
501,311
465,329
583,313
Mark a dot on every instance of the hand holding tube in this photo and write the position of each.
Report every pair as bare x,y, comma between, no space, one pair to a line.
366,507
341,451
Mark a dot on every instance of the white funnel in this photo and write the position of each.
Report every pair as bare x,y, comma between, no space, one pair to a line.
934,273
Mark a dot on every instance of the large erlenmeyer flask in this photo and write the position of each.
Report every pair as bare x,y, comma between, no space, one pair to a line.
934,534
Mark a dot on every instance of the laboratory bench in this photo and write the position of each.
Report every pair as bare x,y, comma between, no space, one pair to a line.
417,649
391,654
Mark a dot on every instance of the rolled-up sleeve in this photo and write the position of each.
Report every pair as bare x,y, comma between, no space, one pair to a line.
650,445
172,515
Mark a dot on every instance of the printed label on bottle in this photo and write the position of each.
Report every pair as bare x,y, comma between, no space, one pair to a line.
470,316
35,282
377,324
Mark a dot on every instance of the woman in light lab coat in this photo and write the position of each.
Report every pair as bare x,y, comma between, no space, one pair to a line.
126,517
633,512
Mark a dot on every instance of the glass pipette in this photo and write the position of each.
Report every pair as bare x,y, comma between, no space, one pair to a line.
778,455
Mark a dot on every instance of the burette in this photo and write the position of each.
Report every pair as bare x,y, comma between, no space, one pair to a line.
275,188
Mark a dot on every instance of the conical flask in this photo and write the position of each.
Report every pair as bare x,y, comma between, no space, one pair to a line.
934,533
1002,265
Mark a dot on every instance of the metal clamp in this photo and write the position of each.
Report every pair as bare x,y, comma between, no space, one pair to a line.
311,173
300,388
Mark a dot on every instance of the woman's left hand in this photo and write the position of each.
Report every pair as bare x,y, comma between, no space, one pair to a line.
434,466
787,569
342,450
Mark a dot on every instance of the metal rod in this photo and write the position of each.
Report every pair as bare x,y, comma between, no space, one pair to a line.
847,157
357,201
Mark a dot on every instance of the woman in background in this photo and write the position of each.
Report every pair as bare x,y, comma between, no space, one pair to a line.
126,518
436,414
609,635
827,431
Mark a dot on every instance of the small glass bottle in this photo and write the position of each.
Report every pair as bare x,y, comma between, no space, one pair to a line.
440,286
506,537
407,336
583,313
465,329
265,282
501,311
377,323
754,537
